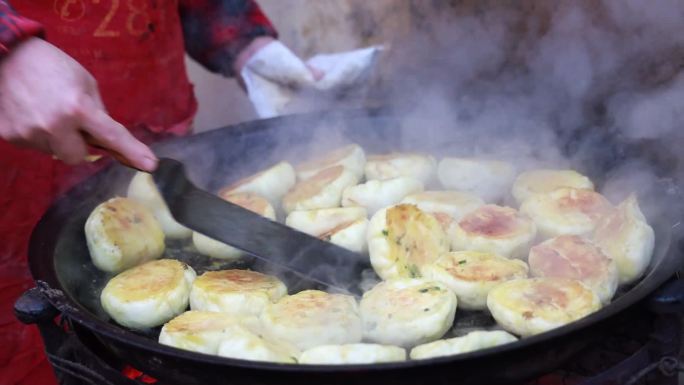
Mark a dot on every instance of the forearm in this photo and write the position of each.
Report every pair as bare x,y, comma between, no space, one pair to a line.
14,28
217,31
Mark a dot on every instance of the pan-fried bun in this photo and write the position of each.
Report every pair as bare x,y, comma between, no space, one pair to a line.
143,190
488,179
448,206
566,211
313,318
407,312
351,235
271,183
219,250
472,274
122,233
352,354
148,295
321,191
497,229
402,238
531,306
351,157
395,165
223,335
237,292
570,256
376,194
317,222
242,343
198,331
252,202
626,237
343,226
544,181
470,342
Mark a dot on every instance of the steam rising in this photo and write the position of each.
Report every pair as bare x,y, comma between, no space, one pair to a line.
537,83
558,77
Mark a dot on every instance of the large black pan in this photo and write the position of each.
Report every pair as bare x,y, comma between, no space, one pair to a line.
59,257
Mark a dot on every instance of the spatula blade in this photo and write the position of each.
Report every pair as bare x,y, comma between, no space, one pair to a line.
308,257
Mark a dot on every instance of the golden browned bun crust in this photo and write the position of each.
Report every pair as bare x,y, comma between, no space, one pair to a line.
313,318
313,185
199,321
150,279
149,294
323,190
251,201
544,181
566,211
570,256
271,183
494,222
535,305
497,229
626,237
472,274
403,238
122,233
351,157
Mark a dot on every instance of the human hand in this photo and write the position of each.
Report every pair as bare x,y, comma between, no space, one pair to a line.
255,46
48,101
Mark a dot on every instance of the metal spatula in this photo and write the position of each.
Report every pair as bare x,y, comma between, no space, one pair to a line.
308,257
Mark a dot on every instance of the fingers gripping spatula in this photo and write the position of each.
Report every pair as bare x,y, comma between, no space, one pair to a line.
308,257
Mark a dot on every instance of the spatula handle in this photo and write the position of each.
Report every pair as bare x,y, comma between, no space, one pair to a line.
93,142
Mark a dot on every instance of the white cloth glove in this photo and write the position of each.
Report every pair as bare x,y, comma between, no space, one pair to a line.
276,78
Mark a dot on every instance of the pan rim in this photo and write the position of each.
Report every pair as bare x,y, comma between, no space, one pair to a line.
42,236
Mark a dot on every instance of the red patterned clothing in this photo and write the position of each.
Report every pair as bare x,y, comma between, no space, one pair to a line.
135,50
14,28
215,31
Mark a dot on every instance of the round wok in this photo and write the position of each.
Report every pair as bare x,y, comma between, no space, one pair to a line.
59,257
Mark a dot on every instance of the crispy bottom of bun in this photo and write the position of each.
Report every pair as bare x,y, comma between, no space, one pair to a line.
148,295
312,318
122,233
271,183
570,256
566,211
352,157
236,292
402,238
473,274
535,305
407,312
321,191
495,229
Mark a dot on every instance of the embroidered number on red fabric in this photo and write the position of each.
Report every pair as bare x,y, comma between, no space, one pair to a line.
137,15
102,30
